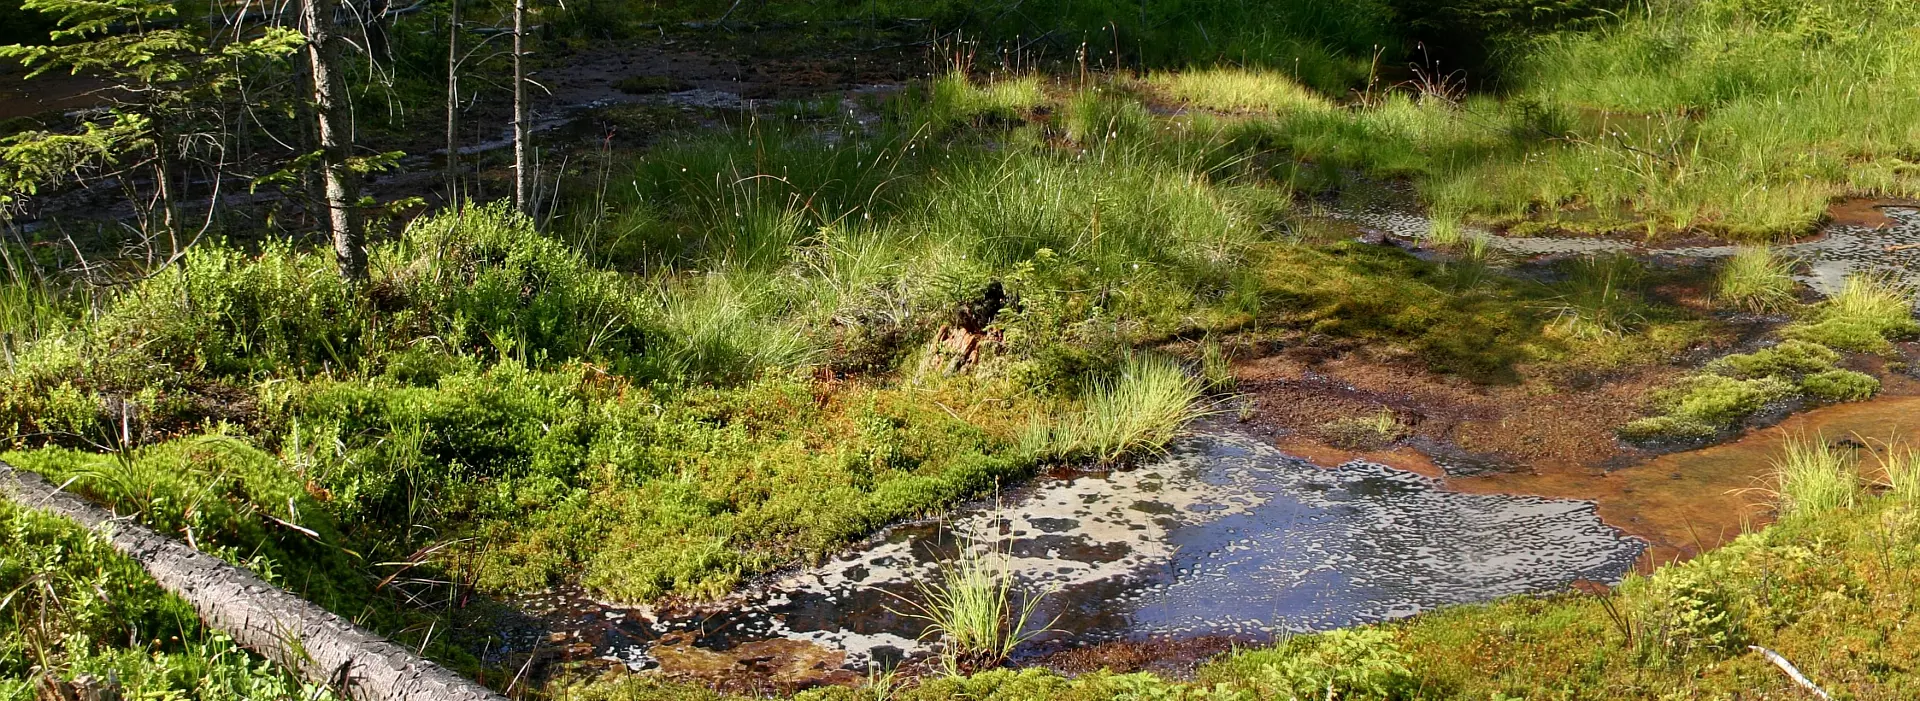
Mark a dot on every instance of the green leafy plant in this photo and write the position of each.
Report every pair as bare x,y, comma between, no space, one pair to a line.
1356,663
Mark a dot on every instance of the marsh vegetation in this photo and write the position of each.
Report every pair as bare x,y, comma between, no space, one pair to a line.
700,344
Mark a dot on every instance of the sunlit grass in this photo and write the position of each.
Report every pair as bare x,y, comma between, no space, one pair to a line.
956,98
1814,476
1863,315
1755,279
1238,90
974,608
1900,470
1139,410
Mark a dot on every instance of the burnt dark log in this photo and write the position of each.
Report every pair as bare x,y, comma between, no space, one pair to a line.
322,647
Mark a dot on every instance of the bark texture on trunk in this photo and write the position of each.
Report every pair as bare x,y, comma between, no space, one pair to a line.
322,647
521,195
334,119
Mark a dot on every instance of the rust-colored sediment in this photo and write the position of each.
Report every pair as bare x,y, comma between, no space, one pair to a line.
1563,441
1685,502
1863,211
1397,457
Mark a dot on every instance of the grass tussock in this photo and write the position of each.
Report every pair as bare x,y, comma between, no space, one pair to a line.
1755,279
1864,315
976,609
1139,409
1238,90
1900,470
1813,476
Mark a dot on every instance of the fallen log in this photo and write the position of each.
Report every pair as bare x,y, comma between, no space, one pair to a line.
322,647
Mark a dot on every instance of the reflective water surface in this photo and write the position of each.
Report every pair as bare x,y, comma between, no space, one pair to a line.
1225,536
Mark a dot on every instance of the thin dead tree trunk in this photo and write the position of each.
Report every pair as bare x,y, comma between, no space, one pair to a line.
334,118
322,647
453,102
522,199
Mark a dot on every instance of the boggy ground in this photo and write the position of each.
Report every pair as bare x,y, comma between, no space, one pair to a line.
1556,437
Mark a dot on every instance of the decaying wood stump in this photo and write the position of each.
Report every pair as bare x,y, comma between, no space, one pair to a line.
322,647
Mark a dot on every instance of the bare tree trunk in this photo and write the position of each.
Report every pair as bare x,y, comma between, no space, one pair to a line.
522,199
336,143
320,646
453,102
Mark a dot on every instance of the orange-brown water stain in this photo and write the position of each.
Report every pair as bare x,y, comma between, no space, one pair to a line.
1864,211
1683,503
1324,455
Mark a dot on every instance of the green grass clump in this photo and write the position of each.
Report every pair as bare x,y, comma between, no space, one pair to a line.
956,99
1813,476
1238,90
1755,279
1600,299
974,609
1140,409
1900,470
1864,315
1097,116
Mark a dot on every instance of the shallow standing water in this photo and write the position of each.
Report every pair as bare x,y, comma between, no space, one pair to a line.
1840,251
1226,536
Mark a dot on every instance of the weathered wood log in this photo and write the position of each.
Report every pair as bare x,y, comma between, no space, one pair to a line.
322,647
1792,672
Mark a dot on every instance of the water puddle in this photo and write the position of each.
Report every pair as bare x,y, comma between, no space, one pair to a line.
1226,536
1843,249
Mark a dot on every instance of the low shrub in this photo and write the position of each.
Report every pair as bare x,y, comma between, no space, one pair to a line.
1352,663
